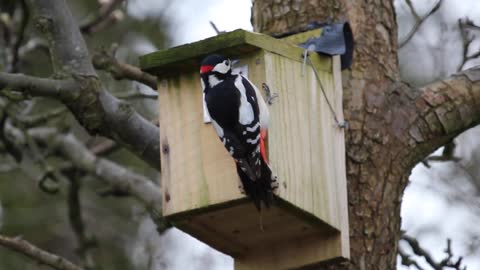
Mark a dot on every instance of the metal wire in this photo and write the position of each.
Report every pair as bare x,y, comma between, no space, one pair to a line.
343,124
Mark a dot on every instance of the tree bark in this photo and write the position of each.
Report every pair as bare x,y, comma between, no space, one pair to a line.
95,108
392,126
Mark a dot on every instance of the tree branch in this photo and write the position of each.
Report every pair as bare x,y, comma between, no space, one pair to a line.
104,14
20,35
85,243
95,109
467,39
445,263
437,113
407,260
68,51
419,20
115,175
120,70
61,89
19,245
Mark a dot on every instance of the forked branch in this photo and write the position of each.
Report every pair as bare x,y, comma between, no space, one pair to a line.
19,245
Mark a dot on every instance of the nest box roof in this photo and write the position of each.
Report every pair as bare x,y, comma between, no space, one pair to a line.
231,44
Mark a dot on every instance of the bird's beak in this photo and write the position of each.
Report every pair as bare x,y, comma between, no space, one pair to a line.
233,62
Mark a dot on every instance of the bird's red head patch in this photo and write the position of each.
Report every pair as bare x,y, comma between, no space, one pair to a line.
205,69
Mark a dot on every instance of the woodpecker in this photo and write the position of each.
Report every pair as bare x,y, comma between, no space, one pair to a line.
239,115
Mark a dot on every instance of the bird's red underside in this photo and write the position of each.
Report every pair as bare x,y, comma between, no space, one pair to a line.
263,150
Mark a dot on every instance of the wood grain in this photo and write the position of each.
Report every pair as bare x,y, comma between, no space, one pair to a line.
309,222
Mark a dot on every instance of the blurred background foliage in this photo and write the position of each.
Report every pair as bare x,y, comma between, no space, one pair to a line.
42,218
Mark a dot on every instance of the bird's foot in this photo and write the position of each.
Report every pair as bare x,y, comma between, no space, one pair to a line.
270,95
274,185
240,187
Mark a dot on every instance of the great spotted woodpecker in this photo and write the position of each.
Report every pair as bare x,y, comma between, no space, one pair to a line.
239,115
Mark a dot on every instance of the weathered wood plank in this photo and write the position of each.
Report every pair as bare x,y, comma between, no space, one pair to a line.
235,44
196,169
309,223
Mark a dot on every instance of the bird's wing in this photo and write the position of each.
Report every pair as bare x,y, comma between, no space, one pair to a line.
234,111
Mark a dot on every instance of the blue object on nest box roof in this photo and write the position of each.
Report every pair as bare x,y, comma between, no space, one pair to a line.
335,39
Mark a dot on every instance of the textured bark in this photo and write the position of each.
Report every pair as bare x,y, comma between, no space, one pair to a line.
95,109
392,126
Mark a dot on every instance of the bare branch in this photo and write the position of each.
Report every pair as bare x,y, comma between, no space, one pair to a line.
135,95
68,51
447,155
104,15
104,148
215,28
84,242
465,25
120,70
419,20
33,44
407,260
446,262
20,36
115,175
19,245
95,109
38,119
60,89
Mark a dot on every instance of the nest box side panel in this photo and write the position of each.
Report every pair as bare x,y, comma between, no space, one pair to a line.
196,169
339,162
300,136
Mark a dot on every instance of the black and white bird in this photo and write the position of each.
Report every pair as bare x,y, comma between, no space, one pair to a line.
240,117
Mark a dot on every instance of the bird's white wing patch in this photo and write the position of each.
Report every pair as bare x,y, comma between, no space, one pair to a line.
262,106
206,114
245,111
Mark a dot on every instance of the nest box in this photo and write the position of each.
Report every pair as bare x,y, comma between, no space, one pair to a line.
308,224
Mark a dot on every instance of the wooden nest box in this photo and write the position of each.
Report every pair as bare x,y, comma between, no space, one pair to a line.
308,225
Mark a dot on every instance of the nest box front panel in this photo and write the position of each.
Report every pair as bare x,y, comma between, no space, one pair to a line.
301,136
197,171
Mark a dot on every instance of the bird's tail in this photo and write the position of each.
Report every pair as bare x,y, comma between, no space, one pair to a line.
261,189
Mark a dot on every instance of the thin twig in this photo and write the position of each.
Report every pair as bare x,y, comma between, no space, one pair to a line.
465,25
38,119
447,155
215,28
38,86
419,20
135,95
41,256
104,148
84,242
447,262
407,259
20,36
107,61
93,25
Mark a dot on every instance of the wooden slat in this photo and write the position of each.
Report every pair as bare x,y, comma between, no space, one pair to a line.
306,150
340,165
196,169
240,229
308,251
235,44
300,136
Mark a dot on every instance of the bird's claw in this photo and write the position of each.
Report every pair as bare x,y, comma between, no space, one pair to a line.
270,96
242,190
274,185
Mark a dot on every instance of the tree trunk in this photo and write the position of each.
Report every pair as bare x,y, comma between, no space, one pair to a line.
392,127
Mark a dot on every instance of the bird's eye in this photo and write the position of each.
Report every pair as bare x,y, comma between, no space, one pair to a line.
226,62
